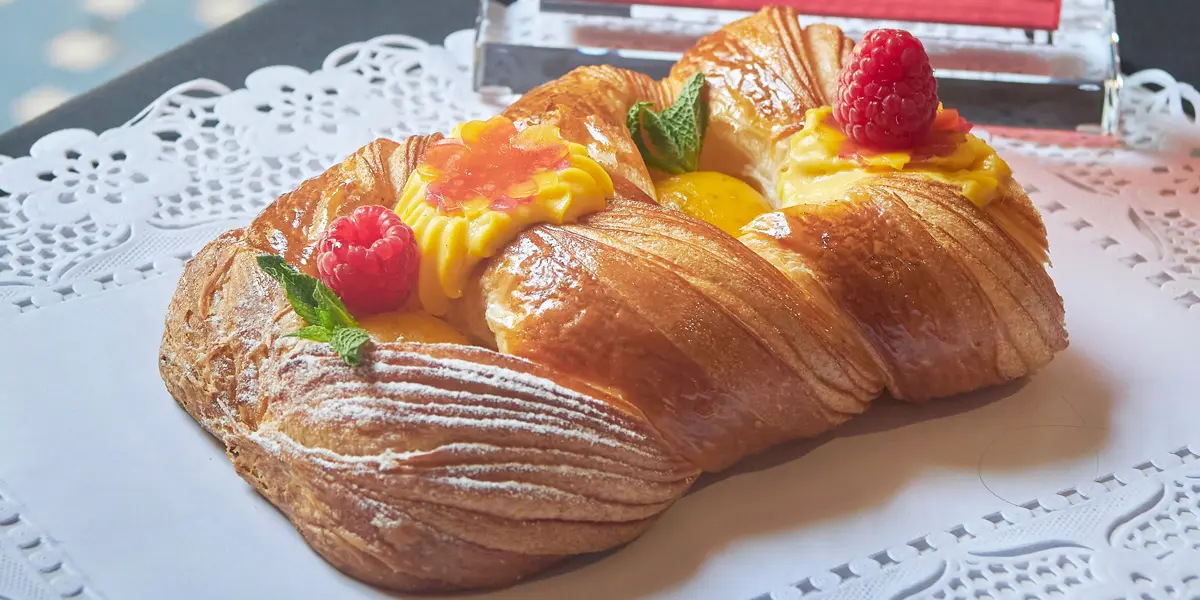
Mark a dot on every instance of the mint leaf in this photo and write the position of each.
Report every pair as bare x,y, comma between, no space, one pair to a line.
306,311
298,287
687,121
330,310
348,343
315,333
325,313
671,141
634,122
276,267
663,142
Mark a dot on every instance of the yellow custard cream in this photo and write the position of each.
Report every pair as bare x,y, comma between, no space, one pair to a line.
478,189
410,326
722,200
815,173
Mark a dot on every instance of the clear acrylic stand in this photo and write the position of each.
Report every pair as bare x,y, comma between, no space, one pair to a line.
1062,79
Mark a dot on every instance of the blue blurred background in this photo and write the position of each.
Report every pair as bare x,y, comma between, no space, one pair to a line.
51,50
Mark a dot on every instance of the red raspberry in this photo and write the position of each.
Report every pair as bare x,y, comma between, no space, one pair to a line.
886,93
369,259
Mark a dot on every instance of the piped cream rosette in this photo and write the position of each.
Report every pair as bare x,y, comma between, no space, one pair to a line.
476,190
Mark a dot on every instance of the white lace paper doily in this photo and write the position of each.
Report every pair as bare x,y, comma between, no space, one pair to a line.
85,213
32,567
1132,535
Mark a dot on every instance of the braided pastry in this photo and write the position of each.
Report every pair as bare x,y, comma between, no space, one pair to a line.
606,361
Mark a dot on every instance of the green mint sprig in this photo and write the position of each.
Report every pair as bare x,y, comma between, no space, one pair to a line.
670,141
327,318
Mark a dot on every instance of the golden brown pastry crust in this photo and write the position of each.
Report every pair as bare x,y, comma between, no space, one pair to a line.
720,352
436,467
619,356
901,248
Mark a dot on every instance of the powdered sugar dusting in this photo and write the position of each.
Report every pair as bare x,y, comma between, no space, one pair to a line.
246,392
480,436
522,402
482,375
279,443
492,403
381,410
511,479
522,382
495,471
511,488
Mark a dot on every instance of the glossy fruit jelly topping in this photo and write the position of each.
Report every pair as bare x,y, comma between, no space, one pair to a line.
494,162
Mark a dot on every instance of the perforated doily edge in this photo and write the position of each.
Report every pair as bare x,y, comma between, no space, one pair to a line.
825,583
45,563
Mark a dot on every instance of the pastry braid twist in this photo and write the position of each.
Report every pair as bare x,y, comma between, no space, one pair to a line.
620,356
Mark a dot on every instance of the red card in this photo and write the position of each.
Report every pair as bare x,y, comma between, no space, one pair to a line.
1023,14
